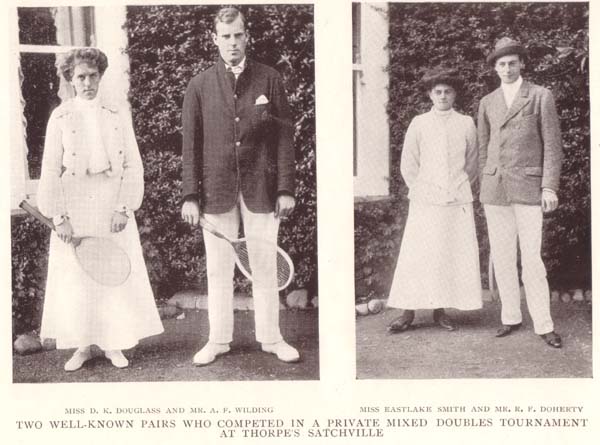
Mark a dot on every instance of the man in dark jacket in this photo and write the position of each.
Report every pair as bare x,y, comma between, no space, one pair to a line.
238,164
520,155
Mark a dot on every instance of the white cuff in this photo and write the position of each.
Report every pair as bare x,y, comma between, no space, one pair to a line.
122,209
59,219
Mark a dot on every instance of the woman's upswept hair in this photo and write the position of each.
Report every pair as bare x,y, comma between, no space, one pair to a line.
90,56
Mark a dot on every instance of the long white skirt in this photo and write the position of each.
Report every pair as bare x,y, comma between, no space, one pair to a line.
438,264
80,312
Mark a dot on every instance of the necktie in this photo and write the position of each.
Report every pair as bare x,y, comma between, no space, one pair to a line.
231,78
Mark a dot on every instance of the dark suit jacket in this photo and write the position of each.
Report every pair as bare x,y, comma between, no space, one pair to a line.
520,149
231,144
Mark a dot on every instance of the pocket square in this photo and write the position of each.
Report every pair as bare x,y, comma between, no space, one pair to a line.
262,100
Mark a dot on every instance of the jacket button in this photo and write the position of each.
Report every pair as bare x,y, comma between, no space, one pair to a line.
120,152
235,96
237,119
73,154
238,143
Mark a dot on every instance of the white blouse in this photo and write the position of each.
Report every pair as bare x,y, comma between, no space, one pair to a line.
90,120
439,160
84,139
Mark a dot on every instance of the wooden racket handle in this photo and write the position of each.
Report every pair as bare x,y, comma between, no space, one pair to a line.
212,229
36,214
75,240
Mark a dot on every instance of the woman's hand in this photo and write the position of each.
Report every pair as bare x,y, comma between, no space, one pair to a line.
118,222
65,231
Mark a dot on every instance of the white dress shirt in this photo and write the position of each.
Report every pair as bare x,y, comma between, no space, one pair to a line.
237,69
510,91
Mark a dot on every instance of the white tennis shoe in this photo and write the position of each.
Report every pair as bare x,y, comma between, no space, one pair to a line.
117,358
209,353
282,350
77,360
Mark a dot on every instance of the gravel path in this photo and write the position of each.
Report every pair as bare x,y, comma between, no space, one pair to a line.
168,357
428,352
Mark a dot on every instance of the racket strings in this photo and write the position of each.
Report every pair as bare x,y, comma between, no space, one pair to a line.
241,250
104,261
284,266
284,270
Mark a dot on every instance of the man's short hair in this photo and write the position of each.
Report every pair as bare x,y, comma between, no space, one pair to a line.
228,15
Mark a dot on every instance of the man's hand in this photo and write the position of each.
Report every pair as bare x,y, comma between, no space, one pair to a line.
190,212
549,200
284,206
118,222
65,231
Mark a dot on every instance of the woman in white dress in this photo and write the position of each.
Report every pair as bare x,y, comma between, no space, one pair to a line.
91,182
438,265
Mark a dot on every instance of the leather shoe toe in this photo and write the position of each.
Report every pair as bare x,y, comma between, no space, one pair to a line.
446,322
443,320
552,339
507,329
401,323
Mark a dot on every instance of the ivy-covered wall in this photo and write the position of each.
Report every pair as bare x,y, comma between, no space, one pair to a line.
461,35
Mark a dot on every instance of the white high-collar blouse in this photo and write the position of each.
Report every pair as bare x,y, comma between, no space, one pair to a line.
439,160
90,120
84,139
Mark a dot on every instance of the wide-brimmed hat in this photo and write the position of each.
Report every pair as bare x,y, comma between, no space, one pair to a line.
441,75
504,47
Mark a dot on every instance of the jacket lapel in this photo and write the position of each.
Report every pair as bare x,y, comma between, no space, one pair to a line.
497,106
520,101
224,85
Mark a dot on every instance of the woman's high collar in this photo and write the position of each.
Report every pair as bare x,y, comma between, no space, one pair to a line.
85,103
443,113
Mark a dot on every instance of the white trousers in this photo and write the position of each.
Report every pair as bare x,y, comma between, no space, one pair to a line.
220,263
506,225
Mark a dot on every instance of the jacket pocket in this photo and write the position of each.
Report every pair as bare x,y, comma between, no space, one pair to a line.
262,112
533,171
528,110
261,119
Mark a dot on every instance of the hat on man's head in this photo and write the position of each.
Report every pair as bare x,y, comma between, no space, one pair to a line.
504,47
441,75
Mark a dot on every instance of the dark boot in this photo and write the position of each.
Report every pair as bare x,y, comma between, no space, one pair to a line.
403,322
441,318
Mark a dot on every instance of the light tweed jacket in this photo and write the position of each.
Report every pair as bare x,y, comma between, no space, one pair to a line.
520,150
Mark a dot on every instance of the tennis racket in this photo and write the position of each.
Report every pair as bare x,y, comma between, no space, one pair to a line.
285,265
103,260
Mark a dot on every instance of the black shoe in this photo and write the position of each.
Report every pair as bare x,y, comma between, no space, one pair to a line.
402,323
507,329
442,319
553,339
